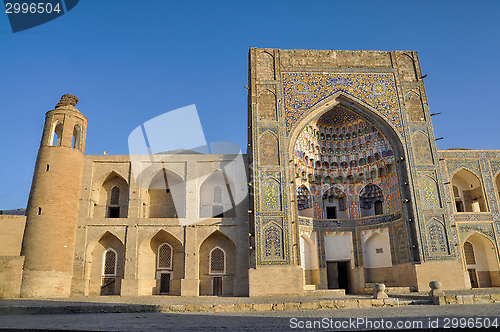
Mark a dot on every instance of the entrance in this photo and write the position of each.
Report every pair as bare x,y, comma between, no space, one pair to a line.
338,275
217,286
331,212
164,283
108,286
473,278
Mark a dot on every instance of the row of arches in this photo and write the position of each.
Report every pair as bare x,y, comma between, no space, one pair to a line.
479,256
161,261
165,197
334,202
57,132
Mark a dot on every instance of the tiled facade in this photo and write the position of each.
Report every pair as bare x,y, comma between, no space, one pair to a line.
346,188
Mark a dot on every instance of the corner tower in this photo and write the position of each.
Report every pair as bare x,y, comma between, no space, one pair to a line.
52,212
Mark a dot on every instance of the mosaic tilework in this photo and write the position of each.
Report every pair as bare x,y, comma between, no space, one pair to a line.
268,144
353,209
402,247
414,108
467,229
495,167
267,106
271,195
430,194
317,211
421,149
472,165
265,66
304,90
273,242
276,220
438,244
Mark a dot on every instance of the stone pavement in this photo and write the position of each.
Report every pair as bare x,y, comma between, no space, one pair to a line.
415,317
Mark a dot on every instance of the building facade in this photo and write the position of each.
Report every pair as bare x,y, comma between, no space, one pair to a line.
345,189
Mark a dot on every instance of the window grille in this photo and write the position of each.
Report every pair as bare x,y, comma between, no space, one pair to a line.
455,191
218,195
217,261
115,196
109,263
470,258
165,256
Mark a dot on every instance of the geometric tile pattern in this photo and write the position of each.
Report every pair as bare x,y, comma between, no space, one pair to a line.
472,165
467,229
429,192
271,195
438,244
303,90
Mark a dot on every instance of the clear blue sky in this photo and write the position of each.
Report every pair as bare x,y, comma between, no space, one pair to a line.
129,61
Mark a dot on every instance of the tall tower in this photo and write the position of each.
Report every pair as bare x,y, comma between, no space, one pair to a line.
52,212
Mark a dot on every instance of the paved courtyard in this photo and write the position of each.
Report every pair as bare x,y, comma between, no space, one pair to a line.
418,316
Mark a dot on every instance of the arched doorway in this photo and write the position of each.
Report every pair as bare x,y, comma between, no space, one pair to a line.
338,155
481,261
217,265
106,265
468,192
161,264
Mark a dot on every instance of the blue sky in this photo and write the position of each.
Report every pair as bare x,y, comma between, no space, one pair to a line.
129,61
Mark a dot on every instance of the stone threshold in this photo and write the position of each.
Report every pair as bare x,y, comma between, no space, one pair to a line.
82,308
466,299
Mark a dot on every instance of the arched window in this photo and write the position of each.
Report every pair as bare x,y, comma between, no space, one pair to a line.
77,131
371,200
470,258
109,263
217,261
114,202
115,196
57,135
218,195
470,192
165,256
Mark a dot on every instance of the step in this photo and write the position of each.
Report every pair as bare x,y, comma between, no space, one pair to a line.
325,292
389,290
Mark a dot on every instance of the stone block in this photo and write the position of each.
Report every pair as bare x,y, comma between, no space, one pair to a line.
192,307
351,304
377,302
278,306
309,306
291,306
339,304
206,307
364,303
326,304
438,300
243,307
450,299
223,307
391,302
263,306
495,298
482,299
177,307
468,299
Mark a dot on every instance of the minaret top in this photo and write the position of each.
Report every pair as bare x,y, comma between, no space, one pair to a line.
67,100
